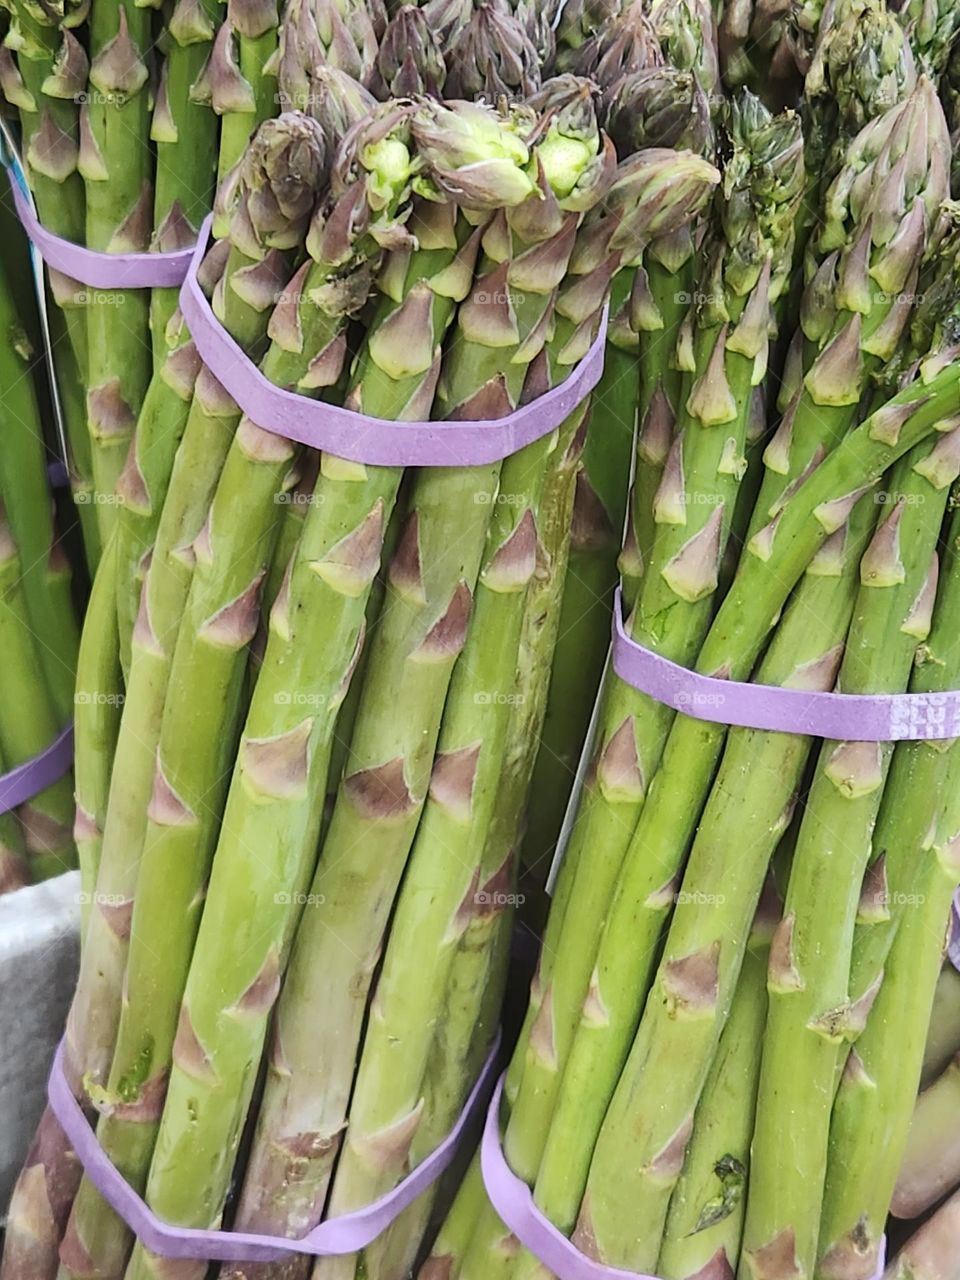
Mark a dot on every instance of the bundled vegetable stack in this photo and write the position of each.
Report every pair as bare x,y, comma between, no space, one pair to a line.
38,621
333,690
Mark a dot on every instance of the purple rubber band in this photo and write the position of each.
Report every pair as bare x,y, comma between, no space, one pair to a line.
513,1201
57,475
887,717
953,945
33,776
373,440
100,270
346,1234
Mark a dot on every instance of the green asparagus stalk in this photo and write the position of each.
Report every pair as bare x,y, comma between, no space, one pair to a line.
691,992
40,1202
24,488
428,603
675,602
117,167
931,1160
705,1221
943,1034
96,723
280,178
762,586
453,1238
29,724
931,1254
877,211
185,133
871,1115
812,1011
240,84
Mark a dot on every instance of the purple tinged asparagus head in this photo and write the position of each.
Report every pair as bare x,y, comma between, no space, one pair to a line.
281,173
315,33
337,102
618,48
579,20
410,59
659,107
932,27
574,156
687,33
473,154
492,57
446,17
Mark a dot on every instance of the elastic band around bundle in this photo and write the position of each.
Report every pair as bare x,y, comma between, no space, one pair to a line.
356,436
100,270
953,944
346,1234
513,1200
33,776
843,717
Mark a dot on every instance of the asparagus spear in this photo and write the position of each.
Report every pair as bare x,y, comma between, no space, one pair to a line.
28,722
491,55
811,1012
871,1115
410,57
185,133
286,166
876,212
24,487
691,992
117,167
240,84
705,1221
932,28
674,607
943,1034
426,614
930,1254
931,1159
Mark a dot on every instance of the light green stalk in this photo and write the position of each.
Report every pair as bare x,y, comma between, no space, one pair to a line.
644,1107
117,166
931,1158
812,1012
705,1221
29,724
99,702
943,1034
14,869
185,134
25,492
912,882
693,508
931,1253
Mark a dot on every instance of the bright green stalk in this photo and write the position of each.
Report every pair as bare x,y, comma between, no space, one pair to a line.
29,723
185,134
51,69
453,1238
705,1221
25,492
931,1159
693,507
913,882
943,1034
99,701
855,310
418,639
242,87
14,869
812,1013
117,167
643,1108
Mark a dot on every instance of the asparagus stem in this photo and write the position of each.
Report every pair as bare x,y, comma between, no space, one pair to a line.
117,167
811,1010
943,1034
931,1158
656,1093
28,723
185,134
705,1221
931,1254
96,725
